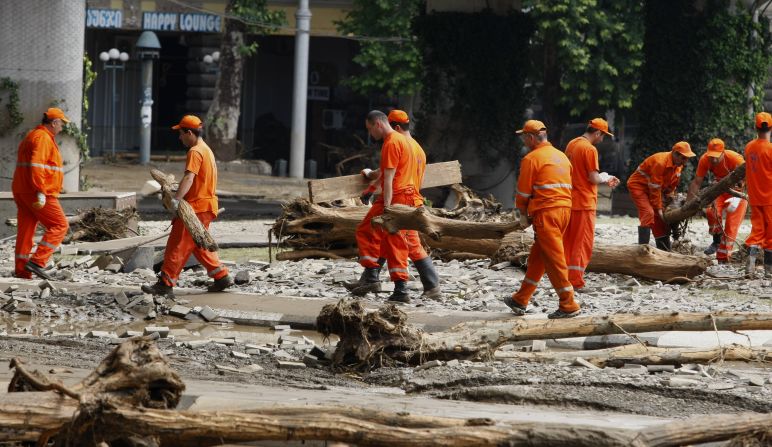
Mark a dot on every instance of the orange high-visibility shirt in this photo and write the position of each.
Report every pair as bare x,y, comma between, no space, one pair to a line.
397,153
418,180
758,155
38,164
658,175
202,195
544,180
584,159
728,164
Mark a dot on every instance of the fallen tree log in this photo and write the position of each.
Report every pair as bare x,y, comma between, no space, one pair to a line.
185,212
643,261
402,217
644,355
46,413
705,197
383,337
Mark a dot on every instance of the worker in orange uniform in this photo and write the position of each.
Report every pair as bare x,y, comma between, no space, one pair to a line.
544,200
197,187
397,172
655,178
399,121
758,154
726,213
37,182
585,178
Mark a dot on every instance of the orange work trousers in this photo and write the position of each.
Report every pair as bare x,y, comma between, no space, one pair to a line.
549,226
374,242
761,228
180,246
717,213
646,214
577,244
51,216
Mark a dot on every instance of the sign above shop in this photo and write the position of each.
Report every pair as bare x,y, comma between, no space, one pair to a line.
104,18
172,21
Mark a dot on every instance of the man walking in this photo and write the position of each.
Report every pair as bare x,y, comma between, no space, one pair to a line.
544,199
399,121
655,178
197,187
37,182
758,154
397,173
726,213
585,178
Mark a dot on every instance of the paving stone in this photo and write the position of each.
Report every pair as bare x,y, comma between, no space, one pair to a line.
179,311
207,313
195,344
114,267
121,299
224,341
128,334
453,362
757,381
539,346
660,368
240,355
721,386
83,260
99,334
279,327
428,365
68,250
284,364
163,331
45,293
682,382
45,284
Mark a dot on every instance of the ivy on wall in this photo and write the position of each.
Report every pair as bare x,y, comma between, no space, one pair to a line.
703,76
474,72
15,116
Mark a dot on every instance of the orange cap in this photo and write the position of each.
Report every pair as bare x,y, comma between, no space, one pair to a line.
601,125
398,116
715,148
683,148
763,118
189,122
56,113
532,126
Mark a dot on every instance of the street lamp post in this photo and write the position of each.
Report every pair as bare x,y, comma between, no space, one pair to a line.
148,48
116,61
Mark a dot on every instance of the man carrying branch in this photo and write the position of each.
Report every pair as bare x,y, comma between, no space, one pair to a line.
197,187
726,213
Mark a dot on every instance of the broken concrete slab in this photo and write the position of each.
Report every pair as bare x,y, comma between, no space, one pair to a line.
179,311
207,313
284,364
240,355
121,299
140,258
128,334
163,331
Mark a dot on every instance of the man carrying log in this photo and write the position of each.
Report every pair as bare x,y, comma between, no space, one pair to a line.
544,199
726,213
399,121
197,187
585,178
655,178
397,172
759,155
37,182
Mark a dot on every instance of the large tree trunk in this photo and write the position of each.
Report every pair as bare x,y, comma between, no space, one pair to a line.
222,119
705,197
402,217
643,355
383,337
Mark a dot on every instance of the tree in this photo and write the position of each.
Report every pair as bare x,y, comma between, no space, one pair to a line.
388,56
588,54
242,17
702,60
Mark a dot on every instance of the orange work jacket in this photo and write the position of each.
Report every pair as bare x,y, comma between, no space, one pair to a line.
584,159
544,180
202,195
397,153
38,164
758,154
658,175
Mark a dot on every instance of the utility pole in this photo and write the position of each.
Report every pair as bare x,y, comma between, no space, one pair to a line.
300,91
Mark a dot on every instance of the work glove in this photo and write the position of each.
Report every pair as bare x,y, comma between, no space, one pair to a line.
366,173
733,203
41,202
175,205
366,197
610,180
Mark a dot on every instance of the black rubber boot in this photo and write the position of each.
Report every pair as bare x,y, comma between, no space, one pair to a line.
400,294
429,278
768,263
37,270
711,250
220,284
159,288
644,235
369,282
365,279
750,262
663,243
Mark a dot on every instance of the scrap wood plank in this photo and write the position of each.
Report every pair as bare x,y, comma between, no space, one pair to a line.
348,186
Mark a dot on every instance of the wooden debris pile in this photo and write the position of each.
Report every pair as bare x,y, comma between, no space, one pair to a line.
102,224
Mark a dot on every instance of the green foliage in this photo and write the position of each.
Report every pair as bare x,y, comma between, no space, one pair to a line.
695,84
391,65
15,116
259,19
594,46
475,68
